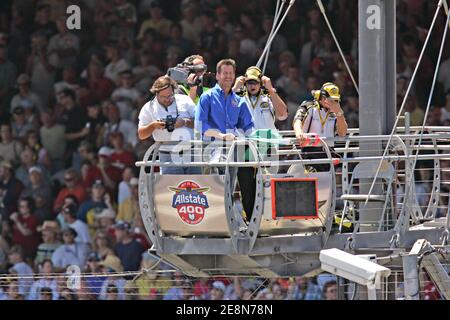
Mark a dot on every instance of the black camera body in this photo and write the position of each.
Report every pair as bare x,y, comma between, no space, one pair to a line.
207,80
169,122
181,72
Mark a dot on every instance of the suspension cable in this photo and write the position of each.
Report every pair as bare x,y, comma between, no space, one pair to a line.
322,9
436,71
272,36
401,110
275,21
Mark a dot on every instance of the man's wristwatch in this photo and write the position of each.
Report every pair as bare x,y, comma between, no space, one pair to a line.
340,114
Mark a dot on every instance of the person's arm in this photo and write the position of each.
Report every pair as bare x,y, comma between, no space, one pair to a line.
76,135
216,134
108,181
146,131
341,124
20,226
44,60
238,84
297,125
280,107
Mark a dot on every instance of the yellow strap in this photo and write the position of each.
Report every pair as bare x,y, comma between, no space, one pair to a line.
256,102
323,121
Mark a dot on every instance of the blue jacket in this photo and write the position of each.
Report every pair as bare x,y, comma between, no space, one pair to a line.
214,111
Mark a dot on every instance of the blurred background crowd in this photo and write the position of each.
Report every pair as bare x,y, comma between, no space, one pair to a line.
69,102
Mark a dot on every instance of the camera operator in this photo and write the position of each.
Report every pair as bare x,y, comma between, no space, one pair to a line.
195,81
168,117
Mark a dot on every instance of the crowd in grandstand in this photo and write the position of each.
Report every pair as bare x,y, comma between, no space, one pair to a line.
69,102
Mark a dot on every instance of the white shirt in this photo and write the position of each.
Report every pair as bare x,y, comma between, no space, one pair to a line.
113,70
73,254
31,99
26,280
82,232
182,107
124,192
126,127
262,110
43,283
314,120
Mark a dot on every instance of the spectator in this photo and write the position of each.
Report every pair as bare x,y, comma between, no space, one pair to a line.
72,187
8,72
43,158
120,158
445,111
42,21
124,187
21,269
25,96
98,201
145,72
127,249
126,96
112,264
39,192
74,119
69,81
50,242
25,225
68,200
306,290
46,284
129,208
10,149
65,44
330,290
29,159
46,293
191,26
20,126
416,113
53,139
116,123
12,291
217,291
67,294
176,39
116,63
95,122
70,218
175,292
70,252
105,220
100,87
156,21
41,65
94,283
102,243
10,188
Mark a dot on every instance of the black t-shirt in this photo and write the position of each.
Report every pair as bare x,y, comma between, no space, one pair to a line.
130,255
74,119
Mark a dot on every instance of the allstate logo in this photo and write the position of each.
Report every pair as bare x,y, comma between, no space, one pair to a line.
190,201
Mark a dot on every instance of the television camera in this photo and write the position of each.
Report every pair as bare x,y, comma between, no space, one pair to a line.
181,72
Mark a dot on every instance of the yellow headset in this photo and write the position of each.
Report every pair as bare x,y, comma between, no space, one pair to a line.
328,89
